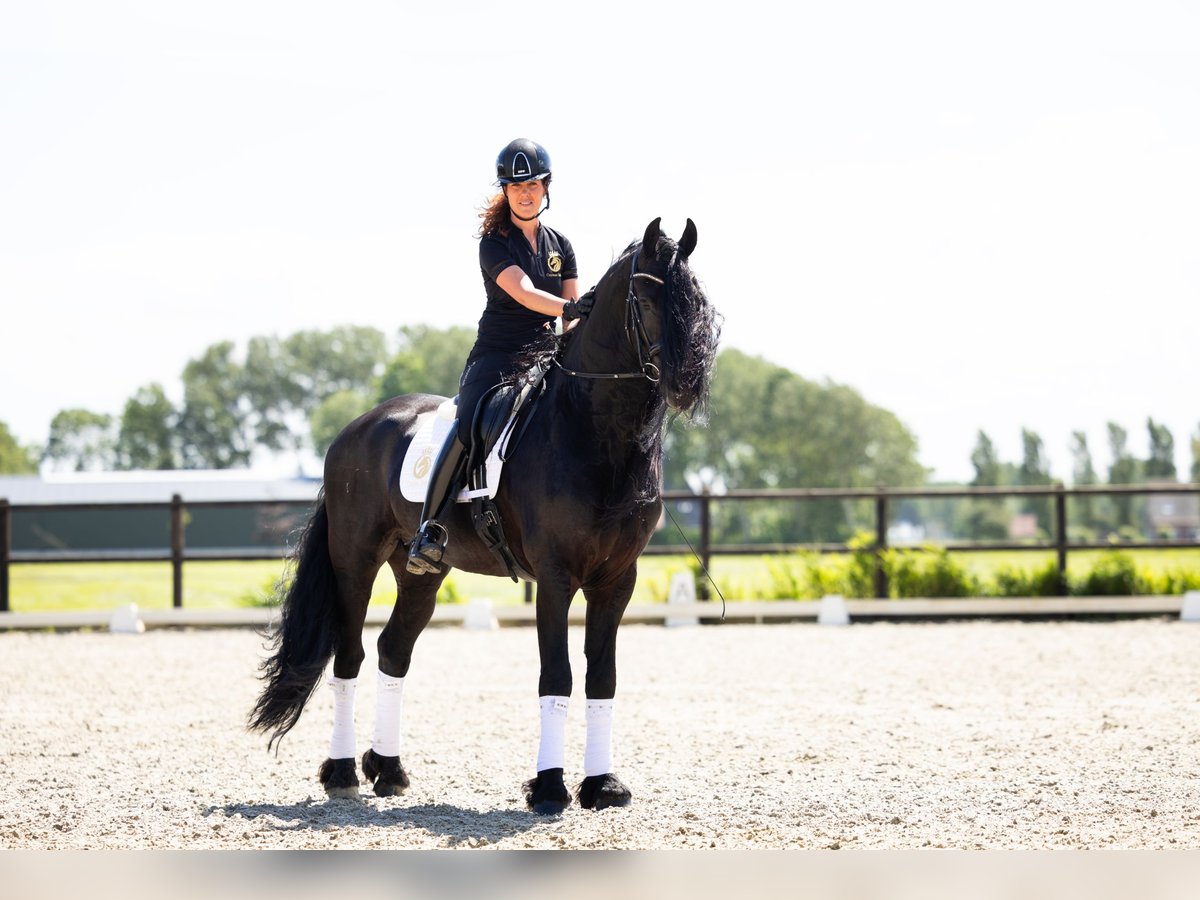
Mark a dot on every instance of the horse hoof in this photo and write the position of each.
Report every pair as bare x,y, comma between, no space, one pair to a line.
388,776
603,791
339,779
547,794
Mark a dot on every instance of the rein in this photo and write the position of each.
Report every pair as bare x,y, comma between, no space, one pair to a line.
635,330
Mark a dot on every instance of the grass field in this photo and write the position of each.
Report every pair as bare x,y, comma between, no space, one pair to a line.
54,587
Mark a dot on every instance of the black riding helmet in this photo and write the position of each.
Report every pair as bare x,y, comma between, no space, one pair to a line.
522,160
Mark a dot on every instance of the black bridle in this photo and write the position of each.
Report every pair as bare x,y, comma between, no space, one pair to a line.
635,330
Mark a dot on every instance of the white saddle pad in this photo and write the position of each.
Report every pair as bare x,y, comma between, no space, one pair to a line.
422,453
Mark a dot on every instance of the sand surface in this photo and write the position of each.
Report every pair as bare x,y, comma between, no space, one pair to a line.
962,735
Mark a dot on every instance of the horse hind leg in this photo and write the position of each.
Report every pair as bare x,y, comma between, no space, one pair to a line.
337,774
416,597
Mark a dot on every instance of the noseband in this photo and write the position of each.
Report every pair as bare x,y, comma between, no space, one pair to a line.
635,330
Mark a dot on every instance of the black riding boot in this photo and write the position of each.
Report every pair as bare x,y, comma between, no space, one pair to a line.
429,543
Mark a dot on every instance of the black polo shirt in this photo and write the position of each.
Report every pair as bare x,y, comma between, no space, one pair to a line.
505,323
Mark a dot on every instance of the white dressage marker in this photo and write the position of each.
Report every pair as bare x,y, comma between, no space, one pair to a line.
833,611
1191,607
682,591
125,620
479,616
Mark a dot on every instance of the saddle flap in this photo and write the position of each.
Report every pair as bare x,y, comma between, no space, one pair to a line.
501,408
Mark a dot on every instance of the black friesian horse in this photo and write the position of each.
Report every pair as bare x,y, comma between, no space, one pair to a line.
580,497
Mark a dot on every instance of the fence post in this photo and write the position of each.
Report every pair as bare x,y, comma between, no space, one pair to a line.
1060,534
881,519
177,551
5,551
705,541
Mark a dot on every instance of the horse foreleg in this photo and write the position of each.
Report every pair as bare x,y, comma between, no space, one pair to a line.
600,787
547,793
416,596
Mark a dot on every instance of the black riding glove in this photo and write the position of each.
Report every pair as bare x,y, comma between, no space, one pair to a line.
577,309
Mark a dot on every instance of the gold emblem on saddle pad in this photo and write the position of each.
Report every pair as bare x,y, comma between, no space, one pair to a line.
554,262
424,462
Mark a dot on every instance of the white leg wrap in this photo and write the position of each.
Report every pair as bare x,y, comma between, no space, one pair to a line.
388,704
597,754
552,747
341,745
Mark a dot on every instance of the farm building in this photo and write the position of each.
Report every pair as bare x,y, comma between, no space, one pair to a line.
269,509
1174,516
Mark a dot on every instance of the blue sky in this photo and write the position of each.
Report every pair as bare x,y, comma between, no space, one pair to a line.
978,215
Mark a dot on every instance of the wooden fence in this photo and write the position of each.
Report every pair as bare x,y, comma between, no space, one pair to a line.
178,553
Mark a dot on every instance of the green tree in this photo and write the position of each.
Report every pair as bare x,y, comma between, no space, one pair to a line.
271,391
334,413
429,361
1123,469
345,358
1083,474
14,458
147,437
214,425
285,380
769,427
1035,472
984,519
80,440
985,462
1161,464
1196,456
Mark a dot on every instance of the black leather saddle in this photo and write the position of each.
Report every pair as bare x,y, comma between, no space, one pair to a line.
505,402
496,407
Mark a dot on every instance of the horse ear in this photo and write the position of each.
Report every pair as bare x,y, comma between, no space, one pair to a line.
687,243
650,238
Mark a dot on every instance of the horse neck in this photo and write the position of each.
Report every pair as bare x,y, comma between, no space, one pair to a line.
602,343
618,410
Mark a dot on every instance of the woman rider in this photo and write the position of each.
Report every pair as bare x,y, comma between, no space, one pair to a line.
530,277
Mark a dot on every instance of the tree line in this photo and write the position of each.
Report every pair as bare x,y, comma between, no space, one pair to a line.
278,395
766,427
1091,517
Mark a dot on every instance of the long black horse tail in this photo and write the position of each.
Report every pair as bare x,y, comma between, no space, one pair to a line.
306,636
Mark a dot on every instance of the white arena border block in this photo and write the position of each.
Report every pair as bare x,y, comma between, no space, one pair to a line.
480,615
1190,611
125,620
833,611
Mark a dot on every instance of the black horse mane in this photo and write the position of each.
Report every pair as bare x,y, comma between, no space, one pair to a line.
691,330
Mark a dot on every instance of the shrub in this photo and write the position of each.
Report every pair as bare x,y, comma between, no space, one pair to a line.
1043,581
825,575
787,577
1172,581
1114,574
450,592
267,595
859,579
928,572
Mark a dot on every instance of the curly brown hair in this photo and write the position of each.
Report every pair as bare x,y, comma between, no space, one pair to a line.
497,215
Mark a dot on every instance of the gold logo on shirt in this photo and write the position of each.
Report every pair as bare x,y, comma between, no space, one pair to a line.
554,263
